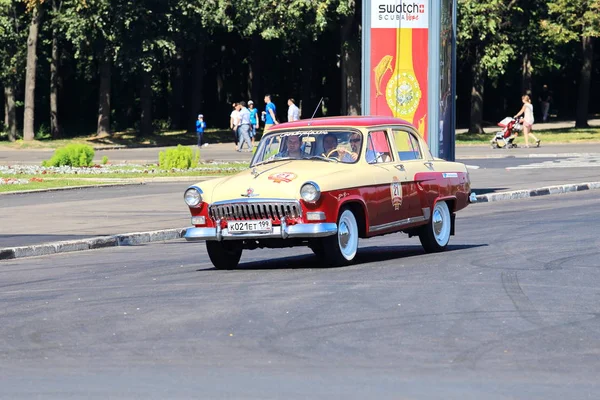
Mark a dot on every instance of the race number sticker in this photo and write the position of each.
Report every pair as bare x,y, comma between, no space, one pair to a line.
283,177
396,191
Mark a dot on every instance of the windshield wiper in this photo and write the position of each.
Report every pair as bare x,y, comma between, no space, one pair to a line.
321,158
268,161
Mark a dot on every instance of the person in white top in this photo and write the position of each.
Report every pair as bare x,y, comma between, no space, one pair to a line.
234,123
293,111
527,120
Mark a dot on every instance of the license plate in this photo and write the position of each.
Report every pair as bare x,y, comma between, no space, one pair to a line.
260,225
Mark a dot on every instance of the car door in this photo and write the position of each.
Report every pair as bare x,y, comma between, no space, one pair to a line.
411,160
388,196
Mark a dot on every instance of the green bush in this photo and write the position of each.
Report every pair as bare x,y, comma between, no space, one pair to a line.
181,157
42,133
104,160
75,155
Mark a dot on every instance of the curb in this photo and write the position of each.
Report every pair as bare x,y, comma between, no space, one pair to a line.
525,193
136,238
56,189
100,242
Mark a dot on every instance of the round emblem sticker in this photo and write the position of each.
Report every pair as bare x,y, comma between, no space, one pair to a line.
283,177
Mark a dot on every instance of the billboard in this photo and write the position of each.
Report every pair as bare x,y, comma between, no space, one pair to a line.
408,66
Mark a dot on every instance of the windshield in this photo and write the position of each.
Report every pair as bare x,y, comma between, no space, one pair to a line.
327,145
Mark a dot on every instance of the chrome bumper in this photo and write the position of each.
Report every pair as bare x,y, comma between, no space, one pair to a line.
472,197
279,232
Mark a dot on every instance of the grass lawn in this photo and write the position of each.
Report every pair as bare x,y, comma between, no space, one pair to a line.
129,139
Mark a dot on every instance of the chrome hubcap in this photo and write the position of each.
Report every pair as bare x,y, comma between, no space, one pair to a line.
438,222
344,235
347,235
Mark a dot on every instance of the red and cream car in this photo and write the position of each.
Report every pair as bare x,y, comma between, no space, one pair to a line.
324,183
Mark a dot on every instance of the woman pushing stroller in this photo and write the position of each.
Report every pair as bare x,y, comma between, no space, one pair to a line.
527,120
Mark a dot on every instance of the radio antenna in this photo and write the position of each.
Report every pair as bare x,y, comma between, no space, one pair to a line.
320,101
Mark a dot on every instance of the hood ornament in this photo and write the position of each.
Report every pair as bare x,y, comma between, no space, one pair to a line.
249,193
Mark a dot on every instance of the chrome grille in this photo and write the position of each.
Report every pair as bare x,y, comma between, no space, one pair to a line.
251,209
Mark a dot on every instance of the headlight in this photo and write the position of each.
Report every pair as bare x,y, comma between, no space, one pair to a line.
193,196
310,192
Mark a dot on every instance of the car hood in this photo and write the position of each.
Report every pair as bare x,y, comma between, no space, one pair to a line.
281,180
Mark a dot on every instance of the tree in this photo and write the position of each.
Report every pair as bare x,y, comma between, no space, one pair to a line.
11,59
350,60
483,41
36,10
54,75
90,26
576,20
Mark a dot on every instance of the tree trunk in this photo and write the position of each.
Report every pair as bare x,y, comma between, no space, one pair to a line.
54,126
11,113
197,93
256,64
307,103
30,75
146,103
526,75
249,77
5,110
177,102
585,77
350,67
476,120
105,69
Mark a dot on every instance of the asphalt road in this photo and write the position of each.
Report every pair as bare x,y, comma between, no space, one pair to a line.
45,217
509,312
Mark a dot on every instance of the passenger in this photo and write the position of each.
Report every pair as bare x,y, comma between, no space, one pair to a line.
293,148
330,142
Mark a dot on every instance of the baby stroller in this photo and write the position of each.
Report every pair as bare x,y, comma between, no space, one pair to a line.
505,138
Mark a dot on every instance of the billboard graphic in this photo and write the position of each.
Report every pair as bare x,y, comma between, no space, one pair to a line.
399,60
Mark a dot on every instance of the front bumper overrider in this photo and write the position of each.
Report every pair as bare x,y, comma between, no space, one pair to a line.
278,232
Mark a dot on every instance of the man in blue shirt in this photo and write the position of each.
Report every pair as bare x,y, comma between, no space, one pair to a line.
253,120
270,113
200,126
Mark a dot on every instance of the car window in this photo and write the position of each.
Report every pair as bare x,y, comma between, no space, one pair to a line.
407,145
378,148
327,144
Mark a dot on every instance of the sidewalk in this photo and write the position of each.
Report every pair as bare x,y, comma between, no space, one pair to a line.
28,221
541,126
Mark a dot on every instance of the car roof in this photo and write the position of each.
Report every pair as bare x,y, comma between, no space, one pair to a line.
352,121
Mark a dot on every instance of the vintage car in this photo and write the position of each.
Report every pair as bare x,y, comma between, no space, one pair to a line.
326,182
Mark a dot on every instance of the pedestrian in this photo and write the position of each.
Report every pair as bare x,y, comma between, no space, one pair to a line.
270,113
527,120
545,100
234,122
253,120
200,127
244,126
293,110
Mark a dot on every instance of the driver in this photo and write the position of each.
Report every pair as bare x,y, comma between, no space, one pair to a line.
355,145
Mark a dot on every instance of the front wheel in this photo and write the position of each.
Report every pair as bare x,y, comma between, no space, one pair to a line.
340,249
224,255
436,234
